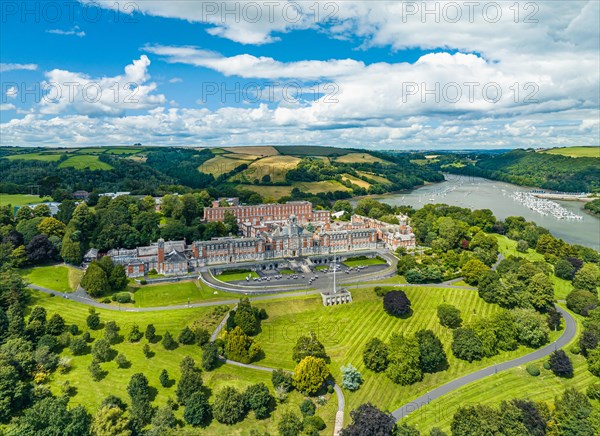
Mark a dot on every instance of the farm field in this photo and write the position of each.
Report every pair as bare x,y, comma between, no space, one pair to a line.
21,199
312,150
359,158
90,393
59,278
45,157
344,331
512,383
223,164
316,187
375,177
356,181
258,150
80,162
575,151
269,190
274,166
167,294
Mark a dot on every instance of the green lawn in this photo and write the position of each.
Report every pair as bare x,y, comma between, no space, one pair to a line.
352,262
321,268
83,161
394,280
236,276
287,272
90,393
167,294
21,199
59,278
345,329
512,383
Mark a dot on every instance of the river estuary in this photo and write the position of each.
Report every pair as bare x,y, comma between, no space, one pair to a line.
478,193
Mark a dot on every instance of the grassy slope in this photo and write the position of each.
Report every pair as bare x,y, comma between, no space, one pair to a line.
575,151
360,262
222,164
177,293
344,330
234,277
316,187
85,161
513,383
60,278
90,393
21,199
36,156
359,158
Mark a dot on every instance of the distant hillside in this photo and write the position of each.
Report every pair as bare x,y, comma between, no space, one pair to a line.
529,168
574,151
263,173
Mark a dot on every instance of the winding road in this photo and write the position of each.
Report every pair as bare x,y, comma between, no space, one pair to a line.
568,334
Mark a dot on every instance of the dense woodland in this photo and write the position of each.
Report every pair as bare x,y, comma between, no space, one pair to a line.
528,168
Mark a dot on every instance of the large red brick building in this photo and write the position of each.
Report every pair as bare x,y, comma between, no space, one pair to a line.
274,212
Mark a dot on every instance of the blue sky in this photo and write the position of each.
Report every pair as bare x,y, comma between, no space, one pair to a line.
371,74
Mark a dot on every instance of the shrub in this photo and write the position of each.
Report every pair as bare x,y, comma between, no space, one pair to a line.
123,297
150,333
308,408
351,378
93,319
143,282
122,361
168,342
533,370
74,329
396,303
313,424
186,336
290,424
575,349
547,365
282,379
593,391
228,407
310,374
134,335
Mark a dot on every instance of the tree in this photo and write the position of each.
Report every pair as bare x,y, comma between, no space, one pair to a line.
563,269
186,336
542,292
147,352
118,278
403,367
466,345
110,421
210,356
168,342
139,393
228,407
561,364
121,361
56,325
163,421
40,249
449,316
111,332
164,378
78,346
190,380
310,374
96,371
368,420
93,319
593,360
240,347
532,329
587,278
70,250
581,301
102,351
282,379
351,378
134,334
289,425
396,303
431,352
258,399
95,280
553,317
472,270
50,416
52,227
572,411
375,355
150,333
308,346
197,411
522,246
